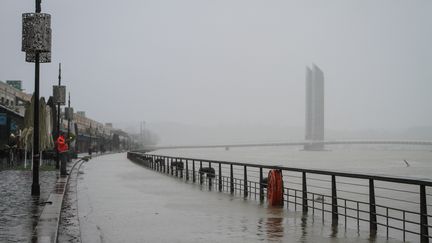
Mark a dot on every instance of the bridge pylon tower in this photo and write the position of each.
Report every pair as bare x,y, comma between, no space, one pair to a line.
314,127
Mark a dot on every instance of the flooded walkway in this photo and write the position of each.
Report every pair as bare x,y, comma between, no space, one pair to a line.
19,211
119,201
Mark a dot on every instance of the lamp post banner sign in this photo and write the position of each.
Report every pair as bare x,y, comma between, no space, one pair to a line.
59,93
69,113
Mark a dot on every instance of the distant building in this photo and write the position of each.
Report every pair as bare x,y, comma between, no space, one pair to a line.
13,97
81,113
314,108
17,84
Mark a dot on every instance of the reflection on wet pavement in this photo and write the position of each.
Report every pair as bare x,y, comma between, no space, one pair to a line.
19,211
120,201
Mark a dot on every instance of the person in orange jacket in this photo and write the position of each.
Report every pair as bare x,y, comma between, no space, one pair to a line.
61,144
63,149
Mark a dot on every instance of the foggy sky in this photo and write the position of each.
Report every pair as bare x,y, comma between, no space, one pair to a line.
233,62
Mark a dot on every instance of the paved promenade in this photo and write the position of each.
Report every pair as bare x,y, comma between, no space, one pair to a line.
119,201
19,211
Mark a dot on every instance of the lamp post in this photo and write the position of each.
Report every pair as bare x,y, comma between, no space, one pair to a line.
59,93
90,146
58,119
36,42
35,185
69,118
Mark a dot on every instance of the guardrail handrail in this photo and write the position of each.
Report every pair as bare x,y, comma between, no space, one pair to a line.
413,181
400,219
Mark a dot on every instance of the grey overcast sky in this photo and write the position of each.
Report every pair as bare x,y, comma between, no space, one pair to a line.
234,61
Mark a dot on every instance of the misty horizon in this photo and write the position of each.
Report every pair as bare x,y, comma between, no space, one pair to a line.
235,63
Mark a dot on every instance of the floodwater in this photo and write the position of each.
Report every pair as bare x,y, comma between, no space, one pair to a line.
119,201
19,211
399,161
377,159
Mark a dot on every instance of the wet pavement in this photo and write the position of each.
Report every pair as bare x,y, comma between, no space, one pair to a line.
19,211
68,230
119,201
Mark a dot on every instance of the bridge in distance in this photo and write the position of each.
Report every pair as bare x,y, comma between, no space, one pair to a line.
298,143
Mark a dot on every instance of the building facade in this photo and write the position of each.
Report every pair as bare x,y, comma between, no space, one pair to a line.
12,97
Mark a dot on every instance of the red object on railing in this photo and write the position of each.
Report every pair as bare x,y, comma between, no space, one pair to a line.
275,188
61,145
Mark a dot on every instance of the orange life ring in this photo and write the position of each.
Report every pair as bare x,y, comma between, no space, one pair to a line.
275,188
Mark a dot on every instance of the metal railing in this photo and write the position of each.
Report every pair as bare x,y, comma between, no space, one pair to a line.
384,205
16,159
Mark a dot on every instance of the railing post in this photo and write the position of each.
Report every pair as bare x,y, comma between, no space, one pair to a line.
160,164
261,186
245,186
172,167
187,170
335,215
210,179
181,169
193,171
424,227
220,177
200,174
164,165
231,179
176,167
372,209
168,165
304,193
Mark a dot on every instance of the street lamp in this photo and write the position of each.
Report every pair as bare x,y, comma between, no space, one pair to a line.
59,93
36,42
90,147
69,118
